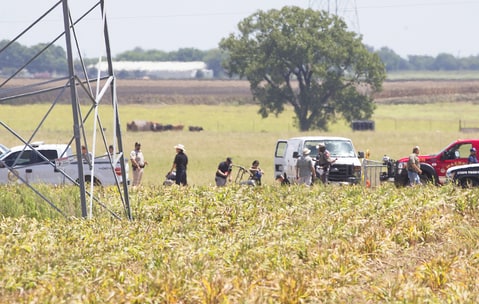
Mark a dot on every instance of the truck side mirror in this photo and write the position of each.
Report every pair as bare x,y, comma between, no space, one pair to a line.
360,154
295,154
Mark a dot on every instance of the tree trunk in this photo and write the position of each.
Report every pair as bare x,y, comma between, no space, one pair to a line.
304,123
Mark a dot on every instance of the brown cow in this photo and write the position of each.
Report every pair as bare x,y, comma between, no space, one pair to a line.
178,128
139,125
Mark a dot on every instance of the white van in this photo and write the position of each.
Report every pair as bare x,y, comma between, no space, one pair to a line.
346,169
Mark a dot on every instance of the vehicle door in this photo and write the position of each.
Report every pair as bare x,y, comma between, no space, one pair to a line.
280,157
29,167
18,162
286,154
454,155
44,171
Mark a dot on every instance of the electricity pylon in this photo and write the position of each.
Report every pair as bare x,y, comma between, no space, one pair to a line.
85,93
346,9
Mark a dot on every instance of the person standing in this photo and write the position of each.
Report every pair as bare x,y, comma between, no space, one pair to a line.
413,167
179,164
223,173
472,159
305,168
323,163
138,163
87,157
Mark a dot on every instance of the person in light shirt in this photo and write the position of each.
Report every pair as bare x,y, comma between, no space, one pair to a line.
413,167
138,163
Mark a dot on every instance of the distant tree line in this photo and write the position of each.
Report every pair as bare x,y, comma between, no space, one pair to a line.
53,60
442,62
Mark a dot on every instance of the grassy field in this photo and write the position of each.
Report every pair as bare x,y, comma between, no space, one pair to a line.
268,244
236,244
239,132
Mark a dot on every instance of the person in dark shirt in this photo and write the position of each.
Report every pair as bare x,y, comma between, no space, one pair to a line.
223,172
179,164
472,159
256,172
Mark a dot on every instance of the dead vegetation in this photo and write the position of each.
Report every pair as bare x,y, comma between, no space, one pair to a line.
237,91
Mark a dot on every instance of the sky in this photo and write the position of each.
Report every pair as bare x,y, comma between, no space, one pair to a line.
408,27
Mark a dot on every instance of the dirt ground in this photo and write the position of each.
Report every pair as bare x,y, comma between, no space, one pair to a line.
201,91
236,91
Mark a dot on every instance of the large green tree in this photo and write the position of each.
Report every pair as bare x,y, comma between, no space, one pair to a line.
308,59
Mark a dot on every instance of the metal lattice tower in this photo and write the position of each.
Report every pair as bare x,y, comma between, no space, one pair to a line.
86,94
346,9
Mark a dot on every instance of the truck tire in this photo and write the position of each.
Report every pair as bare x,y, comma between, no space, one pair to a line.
96,182
468,182
426,178
401,180
428,175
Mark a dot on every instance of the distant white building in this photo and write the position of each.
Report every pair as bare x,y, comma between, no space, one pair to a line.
161,69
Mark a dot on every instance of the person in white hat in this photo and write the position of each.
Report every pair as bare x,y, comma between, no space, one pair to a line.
305,168
179,164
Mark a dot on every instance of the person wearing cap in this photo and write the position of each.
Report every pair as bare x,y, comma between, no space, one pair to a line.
223,173
472,159
413,167
179,164
323,163
282,179
305,168
137,163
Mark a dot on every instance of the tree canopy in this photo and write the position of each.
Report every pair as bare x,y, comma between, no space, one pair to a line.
308,59
53,59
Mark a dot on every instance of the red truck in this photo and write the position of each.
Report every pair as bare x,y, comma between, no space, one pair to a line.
434,166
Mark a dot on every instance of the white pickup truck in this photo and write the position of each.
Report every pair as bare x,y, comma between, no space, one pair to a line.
21,164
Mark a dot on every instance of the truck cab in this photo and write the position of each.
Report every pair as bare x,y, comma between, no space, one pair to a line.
31,166
435,166
346,169
52,163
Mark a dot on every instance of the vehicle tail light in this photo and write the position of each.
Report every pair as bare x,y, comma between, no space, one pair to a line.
118,171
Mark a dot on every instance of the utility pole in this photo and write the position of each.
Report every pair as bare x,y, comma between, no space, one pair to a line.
85,102
346,9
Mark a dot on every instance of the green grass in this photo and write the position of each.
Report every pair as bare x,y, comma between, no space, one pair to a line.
235,244
239,132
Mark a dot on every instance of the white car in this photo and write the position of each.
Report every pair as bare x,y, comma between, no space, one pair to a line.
3,149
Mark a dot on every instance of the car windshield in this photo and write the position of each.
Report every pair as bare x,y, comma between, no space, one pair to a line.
337,148
3,150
